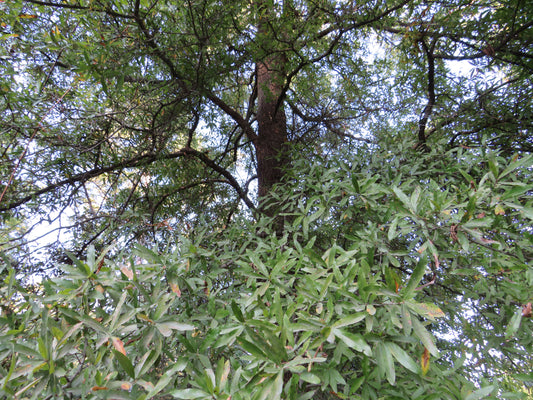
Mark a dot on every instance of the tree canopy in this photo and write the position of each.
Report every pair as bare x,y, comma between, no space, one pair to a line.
266,199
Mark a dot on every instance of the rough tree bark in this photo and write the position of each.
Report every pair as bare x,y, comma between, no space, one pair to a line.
271,141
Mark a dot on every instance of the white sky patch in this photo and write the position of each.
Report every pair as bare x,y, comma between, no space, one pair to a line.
461,68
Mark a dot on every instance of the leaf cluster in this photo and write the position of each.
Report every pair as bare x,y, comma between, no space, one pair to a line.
394,286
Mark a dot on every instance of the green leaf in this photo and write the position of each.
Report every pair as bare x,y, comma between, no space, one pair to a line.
163,381
310,378
407,324
413,201
350,320
480,393
125,363
270,345
416,276
237,311
278,385
402,196
146,361
87,321
385,362
356,384
166,327
402,357
251,348
73,329
520,162
354,341
189,394
425,337
12,366
116,314
82,267
392,229
43,348
20,348
514,324
223,370
168,376
228,336
355,184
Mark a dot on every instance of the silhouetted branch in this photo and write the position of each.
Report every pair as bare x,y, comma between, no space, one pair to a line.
431,91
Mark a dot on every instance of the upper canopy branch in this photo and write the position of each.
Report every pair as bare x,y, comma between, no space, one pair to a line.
340,28
106,10
498,47
139,161
428,50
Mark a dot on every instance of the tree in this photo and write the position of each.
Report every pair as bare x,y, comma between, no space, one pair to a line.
384,254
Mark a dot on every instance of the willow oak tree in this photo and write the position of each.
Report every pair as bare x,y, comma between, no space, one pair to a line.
132,115
266,199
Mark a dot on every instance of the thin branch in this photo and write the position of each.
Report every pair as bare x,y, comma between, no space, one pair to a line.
108,11
151,42
163,197
431,91
23,154
328,123
341,30
236,116
225,173
87,175
48,76
138,161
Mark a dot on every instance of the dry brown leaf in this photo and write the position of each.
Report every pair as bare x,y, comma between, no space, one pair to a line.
424,361
126,271
175,288
118,345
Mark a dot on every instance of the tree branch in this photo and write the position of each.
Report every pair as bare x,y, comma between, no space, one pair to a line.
431,91
108,11
225,173
138,161
236,116
340,32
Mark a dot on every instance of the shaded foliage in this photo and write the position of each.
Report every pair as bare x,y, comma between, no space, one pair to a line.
275,199
376,271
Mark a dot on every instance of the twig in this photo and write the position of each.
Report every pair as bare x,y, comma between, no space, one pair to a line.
39,126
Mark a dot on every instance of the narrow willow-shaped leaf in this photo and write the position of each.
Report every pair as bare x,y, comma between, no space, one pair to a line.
354,341
402,196
514,324
146,361
125,363
407,324
188,394
385,362
425,337
416,276
480,393
166,327
402,357
251,348
349,320
518,163
237,311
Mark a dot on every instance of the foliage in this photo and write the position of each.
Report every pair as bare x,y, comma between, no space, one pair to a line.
270,199
361,298
103,102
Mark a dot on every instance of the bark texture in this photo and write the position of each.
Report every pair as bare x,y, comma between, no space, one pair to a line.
271,141
270,144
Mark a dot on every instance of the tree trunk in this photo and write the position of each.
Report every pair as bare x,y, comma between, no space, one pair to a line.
271,142
272,128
